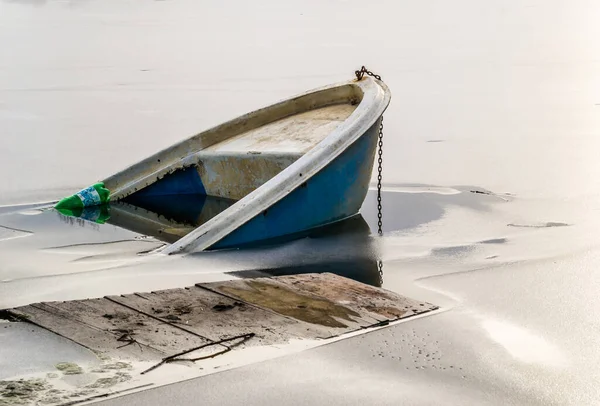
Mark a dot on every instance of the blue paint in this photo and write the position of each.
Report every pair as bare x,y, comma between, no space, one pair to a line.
181,182
336,192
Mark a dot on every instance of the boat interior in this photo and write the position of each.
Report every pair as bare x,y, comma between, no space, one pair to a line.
233,159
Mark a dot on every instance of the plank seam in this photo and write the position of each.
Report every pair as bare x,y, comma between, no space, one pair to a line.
161,320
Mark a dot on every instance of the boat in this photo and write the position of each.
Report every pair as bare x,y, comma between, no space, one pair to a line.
277,172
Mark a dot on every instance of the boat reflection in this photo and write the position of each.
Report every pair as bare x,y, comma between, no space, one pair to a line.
346,248
167,218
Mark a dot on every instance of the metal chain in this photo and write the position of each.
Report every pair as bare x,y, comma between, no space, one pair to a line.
379,179
359,75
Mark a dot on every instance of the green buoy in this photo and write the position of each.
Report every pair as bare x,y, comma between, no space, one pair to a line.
94,195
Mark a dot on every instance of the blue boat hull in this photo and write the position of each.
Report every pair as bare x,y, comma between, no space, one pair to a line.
336,192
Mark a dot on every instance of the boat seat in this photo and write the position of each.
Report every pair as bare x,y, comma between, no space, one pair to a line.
227,175
233,175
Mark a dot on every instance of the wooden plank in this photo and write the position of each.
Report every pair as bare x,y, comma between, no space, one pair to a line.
109,316
81,333
105,326
366,300
216,316
287,300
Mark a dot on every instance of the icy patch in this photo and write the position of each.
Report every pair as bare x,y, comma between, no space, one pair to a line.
421,189
7,233
523,344
494,241
540,225
106,250
31,212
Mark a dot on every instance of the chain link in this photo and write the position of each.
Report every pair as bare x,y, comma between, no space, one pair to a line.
359,75
379,179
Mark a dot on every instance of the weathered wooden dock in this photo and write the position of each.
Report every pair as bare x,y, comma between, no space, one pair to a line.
155,325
